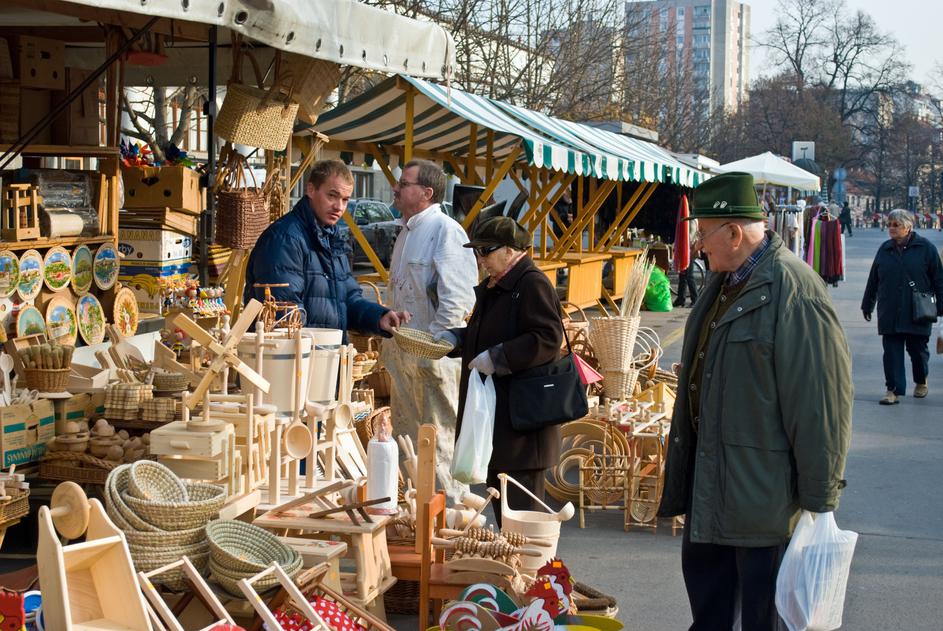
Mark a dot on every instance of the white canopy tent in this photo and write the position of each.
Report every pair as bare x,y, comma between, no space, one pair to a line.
768,168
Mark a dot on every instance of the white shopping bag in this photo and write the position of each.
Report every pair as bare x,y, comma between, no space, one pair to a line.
473,447
810,587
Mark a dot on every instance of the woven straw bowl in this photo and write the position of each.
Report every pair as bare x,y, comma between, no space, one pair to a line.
170,382
166,539
174,580
420,343
149,480
229,580
203,505
240,548
126,519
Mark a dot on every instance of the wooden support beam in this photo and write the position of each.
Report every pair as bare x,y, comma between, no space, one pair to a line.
517,181
533,216
456,168
617,233
367,248
470,172
306,162
489,156
410,116
503,170
381,158
620,215
575,231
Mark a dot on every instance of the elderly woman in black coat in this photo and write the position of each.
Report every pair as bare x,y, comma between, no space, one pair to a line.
515,325
903,264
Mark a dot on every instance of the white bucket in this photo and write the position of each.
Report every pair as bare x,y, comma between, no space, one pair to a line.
533,525
324,364
278,366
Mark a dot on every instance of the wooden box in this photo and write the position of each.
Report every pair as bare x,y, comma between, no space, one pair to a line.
174,439
163,187
197,469
80,123
39,62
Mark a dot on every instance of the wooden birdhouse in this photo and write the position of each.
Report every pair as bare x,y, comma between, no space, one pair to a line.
20,216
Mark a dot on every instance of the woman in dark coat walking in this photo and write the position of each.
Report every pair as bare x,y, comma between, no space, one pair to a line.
515,325
903,258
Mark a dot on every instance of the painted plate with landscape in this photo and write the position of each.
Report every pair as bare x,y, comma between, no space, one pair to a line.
82,269
61,323
31,275
105,266
91,319
29,321
126,312
6,313
57,270
9,273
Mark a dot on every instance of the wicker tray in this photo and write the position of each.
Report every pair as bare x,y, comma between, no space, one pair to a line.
15,507
80,468
420,343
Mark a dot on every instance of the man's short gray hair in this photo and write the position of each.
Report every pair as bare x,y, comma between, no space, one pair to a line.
901,216
754,227
429,175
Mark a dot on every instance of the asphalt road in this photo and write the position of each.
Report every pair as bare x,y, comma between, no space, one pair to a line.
894,499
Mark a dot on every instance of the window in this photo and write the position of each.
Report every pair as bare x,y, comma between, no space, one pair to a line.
680,14
363,184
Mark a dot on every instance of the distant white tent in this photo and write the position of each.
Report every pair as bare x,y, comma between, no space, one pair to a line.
768,168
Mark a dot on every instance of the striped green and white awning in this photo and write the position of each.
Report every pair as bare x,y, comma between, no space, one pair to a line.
443,119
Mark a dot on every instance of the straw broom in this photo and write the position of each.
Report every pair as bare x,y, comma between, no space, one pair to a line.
635,285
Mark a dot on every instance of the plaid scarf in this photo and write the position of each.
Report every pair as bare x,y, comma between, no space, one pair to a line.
744,271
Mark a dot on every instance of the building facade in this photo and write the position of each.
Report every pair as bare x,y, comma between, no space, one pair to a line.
713,36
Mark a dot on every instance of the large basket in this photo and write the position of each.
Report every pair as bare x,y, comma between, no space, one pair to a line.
240,548
16,507
165,539
242,214
613,340
174,580
116,487
256,117
619,384
47,379
170,382
149,480
420,343
205,501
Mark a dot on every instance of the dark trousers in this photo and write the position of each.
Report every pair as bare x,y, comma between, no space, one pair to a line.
844,225
533,479
895,375
685,281
721,578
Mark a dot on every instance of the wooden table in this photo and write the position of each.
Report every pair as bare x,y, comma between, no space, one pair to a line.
550,269
584,286
623,259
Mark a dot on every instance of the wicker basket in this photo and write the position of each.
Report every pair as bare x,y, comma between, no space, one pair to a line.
71,466
205,501
174,580
149,480
420,343
256,117
116,487
613,340
402,598
240,548
47,379
619,384
229,581
241,217
15,507
380,382
170,382
158,410
361,342
166,538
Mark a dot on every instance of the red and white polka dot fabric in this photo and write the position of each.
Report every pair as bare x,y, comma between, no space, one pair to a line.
336,619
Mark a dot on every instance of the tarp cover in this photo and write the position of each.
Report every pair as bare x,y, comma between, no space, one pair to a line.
344,31
768,168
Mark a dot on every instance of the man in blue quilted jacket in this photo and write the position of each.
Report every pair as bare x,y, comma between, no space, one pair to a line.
305,249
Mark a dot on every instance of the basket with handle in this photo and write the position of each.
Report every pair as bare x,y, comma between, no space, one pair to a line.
613,341
242,212
47,379
574,329
361,342
420,343
256,116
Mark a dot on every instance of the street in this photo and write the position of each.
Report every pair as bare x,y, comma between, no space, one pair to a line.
894,499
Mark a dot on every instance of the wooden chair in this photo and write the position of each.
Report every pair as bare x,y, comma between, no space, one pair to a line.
405,560
434,576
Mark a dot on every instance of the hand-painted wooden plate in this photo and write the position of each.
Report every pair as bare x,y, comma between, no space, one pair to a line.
57,268
105,266
29,321
9,273
61,323
6,313
125,313
31,275
91,319
82,269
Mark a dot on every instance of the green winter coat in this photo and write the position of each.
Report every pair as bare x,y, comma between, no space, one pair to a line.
775,414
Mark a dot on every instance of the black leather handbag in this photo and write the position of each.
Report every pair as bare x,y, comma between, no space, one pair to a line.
546,395
924,310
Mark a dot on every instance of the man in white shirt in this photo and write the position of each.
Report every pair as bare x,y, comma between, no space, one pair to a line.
433,277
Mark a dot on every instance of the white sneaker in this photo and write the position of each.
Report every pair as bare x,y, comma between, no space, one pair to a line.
890,398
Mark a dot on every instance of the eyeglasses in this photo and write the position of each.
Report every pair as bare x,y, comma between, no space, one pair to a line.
700,235
483,252
404,184
895,224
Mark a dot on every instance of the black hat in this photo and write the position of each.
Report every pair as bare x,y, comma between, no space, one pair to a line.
500,231
726,195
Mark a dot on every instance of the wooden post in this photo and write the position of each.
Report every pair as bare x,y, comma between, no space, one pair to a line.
410,113
622,213
617,230
367,248
575,230
492,185
471,159
489,157
383,160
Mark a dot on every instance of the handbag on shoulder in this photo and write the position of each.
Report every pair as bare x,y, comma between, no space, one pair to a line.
924,310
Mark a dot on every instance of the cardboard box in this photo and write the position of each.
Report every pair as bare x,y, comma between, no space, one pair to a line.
142,247
144,281
71,409
80,123
24,432
44,415
163,187
20,109
96,404
39,62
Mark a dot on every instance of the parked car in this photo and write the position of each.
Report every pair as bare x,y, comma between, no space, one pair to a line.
378,225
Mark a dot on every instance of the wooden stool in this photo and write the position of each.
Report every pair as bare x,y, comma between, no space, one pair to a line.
316,551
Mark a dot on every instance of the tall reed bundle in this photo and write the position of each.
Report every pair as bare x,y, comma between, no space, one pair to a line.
636,284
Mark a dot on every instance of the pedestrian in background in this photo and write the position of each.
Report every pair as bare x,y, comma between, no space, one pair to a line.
762,420
844,218
903,264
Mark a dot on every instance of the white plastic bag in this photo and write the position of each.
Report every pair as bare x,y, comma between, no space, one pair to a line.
473,447
810,587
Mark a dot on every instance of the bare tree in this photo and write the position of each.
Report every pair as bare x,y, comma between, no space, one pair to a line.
148,111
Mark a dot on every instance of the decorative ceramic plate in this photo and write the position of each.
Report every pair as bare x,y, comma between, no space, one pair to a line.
57,268
6,313
31,275
61,323
29,321
125,313
9,273
105,267
82,269
91,319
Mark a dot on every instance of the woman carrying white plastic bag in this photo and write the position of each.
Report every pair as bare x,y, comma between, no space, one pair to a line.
473,447
810,587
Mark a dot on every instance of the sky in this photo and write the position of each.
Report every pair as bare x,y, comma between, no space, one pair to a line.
915,23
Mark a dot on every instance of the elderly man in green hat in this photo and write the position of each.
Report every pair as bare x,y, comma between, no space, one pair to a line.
762,419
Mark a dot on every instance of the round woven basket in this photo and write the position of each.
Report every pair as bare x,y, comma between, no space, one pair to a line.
204,503
126,519
170,382
420,343
149,480
619,384
174,580
47,379
166,539
229,581
613,340
240,548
